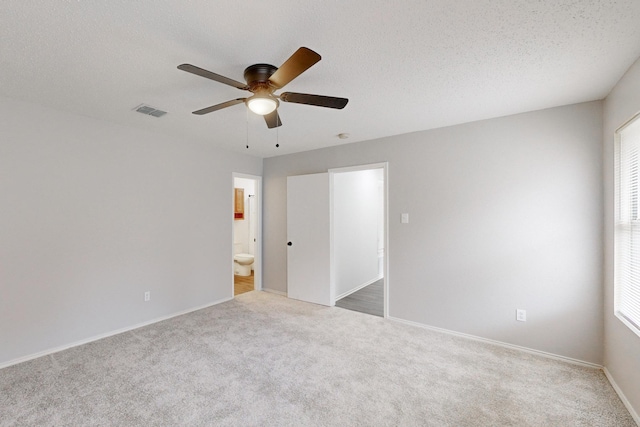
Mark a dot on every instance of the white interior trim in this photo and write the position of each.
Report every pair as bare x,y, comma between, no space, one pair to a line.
501,344
257,261
385,262
355,168
274,291
364,285
622,397
108,334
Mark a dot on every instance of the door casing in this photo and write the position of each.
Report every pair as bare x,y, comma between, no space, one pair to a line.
385,259
257,262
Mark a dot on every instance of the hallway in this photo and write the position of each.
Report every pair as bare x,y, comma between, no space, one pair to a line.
369,300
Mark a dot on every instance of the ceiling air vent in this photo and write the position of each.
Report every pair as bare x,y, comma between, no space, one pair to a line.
149,111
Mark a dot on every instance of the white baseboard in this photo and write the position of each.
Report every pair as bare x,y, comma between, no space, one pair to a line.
622,397
364,285
500,343
273,291
107,334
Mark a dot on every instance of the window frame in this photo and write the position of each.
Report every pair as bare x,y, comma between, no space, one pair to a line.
620,223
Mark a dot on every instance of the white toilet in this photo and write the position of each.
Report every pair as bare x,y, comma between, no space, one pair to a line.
241,262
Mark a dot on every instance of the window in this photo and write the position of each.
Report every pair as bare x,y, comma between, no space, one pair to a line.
627,226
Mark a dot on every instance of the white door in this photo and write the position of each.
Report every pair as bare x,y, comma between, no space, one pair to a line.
308,238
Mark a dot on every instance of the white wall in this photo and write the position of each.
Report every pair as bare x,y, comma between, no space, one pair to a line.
504,214
622,347
357,212
93,215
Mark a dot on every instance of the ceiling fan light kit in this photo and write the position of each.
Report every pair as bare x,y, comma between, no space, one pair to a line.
262,105
263,80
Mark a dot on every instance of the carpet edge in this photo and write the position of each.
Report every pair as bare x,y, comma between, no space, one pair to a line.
274,291
500,344
621,395
107,334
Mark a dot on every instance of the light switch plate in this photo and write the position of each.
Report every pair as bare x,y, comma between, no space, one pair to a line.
404,219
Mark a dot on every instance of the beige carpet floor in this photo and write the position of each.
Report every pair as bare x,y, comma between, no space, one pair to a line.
265,360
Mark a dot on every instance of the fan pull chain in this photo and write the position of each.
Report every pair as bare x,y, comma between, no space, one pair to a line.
247,121
277,136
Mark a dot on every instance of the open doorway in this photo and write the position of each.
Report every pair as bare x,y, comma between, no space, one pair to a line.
246,243
358,243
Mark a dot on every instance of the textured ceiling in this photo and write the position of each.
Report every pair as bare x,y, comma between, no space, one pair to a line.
405,66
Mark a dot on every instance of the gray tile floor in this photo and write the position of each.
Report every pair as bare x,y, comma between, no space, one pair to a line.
368,300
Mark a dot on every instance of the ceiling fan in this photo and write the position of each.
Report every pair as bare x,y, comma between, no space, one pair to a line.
263,80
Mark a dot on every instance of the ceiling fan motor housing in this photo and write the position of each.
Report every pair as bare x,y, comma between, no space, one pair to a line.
257,76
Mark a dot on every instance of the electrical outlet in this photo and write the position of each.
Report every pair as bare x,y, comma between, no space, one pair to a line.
147,296
521,315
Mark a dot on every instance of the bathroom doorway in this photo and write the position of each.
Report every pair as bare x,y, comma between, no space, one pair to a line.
246,242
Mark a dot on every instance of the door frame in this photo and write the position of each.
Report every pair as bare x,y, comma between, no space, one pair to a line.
257,261
385,259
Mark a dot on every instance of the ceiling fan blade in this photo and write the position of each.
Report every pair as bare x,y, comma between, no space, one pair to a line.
317,100
219,106
213,76
272,119
298,63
